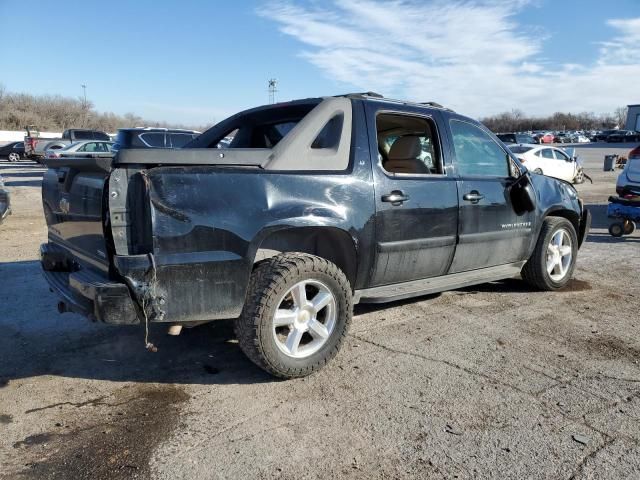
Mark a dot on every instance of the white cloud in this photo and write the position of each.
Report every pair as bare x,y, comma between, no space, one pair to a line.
471,55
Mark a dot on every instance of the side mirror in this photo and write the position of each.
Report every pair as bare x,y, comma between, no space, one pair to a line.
523,197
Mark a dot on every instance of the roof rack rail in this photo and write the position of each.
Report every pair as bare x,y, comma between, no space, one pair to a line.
361,95
433,104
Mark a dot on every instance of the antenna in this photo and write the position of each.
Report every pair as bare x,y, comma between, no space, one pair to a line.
272,90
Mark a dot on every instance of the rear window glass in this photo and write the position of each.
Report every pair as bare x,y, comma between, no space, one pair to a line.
80,135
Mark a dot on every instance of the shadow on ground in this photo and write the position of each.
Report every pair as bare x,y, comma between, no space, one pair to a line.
38,341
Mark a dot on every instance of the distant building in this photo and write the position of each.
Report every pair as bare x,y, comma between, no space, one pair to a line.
633,117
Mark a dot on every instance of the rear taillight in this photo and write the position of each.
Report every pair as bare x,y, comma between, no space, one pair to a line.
620,191
635,153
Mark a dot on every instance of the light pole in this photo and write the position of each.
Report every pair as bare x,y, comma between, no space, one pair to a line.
84,91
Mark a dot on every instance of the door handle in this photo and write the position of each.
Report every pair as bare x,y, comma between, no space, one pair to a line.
396,198
473,196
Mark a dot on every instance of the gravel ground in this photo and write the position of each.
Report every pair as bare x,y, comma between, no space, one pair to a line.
493,381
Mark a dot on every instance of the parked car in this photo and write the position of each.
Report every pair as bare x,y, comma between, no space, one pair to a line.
508,138
36,146
546,138
550,161
580,138
628,182
562,137
13,151
623,136
146,137
5,201
602,135
313,208
87,148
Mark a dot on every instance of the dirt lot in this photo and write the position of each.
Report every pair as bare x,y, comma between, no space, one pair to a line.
492,381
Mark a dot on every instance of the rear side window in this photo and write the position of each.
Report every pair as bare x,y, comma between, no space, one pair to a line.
179,140
408,144
153,139
547,153
88,135
477,154
329,136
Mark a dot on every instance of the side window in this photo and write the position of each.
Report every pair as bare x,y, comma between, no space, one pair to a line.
153,139
329,136
561,155
548,153
408,144
476,152
227,140
179,140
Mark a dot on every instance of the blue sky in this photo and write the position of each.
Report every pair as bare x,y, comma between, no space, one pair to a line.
196,62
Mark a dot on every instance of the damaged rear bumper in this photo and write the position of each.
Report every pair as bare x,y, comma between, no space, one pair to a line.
87,292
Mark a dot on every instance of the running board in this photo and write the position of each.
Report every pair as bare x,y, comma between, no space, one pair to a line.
415,288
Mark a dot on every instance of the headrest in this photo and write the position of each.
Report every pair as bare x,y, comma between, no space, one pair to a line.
404,148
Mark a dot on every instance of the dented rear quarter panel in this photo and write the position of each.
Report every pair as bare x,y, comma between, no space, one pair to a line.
208,224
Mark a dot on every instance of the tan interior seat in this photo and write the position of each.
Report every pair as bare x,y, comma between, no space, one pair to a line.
404,156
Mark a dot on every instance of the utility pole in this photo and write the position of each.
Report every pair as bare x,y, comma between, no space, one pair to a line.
84,91
272,90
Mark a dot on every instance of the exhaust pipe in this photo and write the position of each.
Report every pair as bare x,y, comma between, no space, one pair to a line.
175,329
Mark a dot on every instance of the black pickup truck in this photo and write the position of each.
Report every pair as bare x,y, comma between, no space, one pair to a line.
284,216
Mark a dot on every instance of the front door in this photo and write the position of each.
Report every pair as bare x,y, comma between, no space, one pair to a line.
416,202
490,233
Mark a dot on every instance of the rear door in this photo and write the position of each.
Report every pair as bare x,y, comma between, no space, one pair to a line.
416,216
489,231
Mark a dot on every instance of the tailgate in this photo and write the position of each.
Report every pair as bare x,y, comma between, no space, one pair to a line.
72,195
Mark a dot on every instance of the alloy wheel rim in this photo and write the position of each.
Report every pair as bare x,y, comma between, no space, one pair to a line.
304,319
559,255
13,157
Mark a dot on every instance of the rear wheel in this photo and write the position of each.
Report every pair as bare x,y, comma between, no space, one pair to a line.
297,313
616,229
14,157
554,257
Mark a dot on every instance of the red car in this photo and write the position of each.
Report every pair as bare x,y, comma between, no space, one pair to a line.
547,138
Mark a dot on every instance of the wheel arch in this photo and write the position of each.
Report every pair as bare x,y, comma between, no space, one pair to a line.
330,243
570,215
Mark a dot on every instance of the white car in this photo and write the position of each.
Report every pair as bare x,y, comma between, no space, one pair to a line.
550,161
628,182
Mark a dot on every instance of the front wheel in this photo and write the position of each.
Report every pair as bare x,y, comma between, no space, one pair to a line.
629,227
297,313
554,258
579,177
538,171
14,157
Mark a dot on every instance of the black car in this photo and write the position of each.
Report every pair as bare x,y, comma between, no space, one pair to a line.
13,151
313,206
621,136
153,138
516,138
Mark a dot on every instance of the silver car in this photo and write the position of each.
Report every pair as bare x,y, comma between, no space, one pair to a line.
85,148
628,182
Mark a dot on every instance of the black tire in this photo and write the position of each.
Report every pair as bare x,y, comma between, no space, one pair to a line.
535,270
616,229
270,280
629,227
